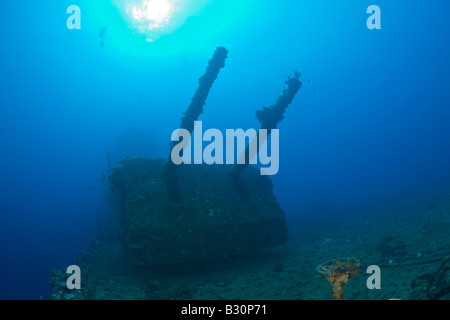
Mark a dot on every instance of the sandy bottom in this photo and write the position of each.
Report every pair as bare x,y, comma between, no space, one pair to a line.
285,272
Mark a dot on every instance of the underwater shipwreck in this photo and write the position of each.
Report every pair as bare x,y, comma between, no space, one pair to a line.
174,214
181,215
181,226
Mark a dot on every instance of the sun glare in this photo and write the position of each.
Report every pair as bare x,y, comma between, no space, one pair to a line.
152,19
154,14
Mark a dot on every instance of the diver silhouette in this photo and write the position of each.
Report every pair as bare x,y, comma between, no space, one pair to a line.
101,35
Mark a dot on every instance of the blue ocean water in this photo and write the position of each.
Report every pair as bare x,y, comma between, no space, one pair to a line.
369,126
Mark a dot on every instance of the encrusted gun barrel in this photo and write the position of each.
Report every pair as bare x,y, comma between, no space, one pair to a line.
191,115
269,117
